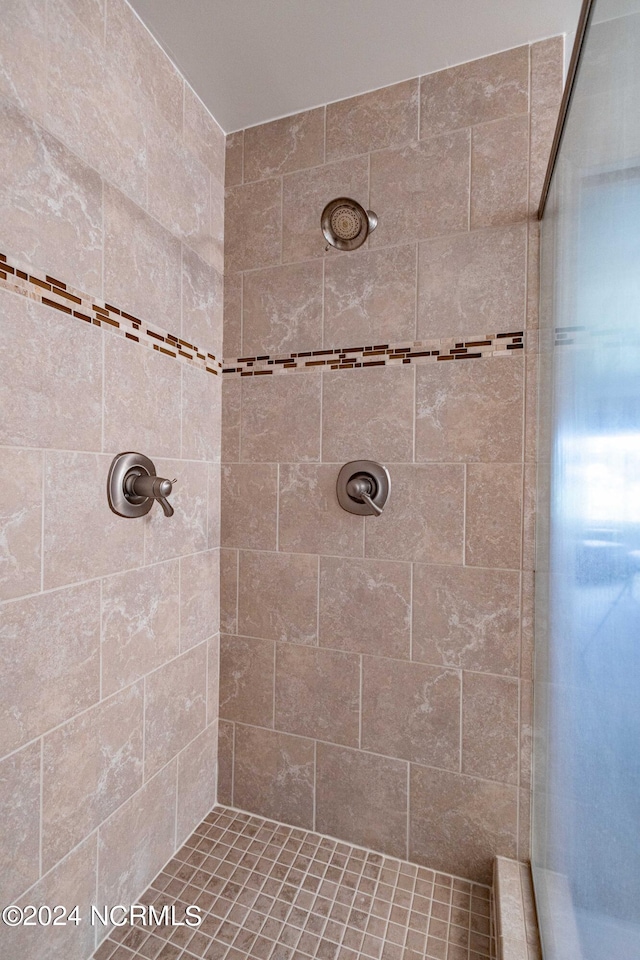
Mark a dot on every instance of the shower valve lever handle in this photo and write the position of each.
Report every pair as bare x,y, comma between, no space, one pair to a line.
156,488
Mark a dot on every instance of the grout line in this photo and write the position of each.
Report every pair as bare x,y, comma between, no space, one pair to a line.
101,637
277,513
464,517
43,496
361,678
315,781
41,818
411,574
409,811
461,722
273,689
144,729
233,760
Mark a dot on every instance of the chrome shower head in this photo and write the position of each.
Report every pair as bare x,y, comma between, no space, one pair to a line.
346,224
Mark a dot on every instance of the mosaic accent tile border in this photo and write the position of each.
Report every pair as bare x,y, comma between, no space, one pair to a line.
269,891
57,295
379,355
54,293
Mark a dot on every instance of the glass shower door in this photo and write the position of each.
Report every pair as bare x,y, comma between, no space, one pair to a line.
586,827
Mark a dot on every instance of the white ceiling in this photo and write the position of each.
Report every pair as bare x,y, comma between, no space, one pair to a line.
255,60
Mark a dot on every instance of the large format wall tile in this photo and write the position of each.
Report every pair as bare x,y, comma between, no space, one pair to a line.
421,190
494,515
274,775
475,92
267,404
472,284
282,309
546,94
363,797
20,522
199,597
370,296
45,411
368,414
467,412
186,531
253,218
278,596
281,146
137,840
458,822
82,537
23,74
202,300
50,203
140,623
317,693
196,781
466,617
20,829
383,118
365,606
411,711
204,137
490,727
201,414
175,707
310,518
499,172
50,661
246,680
249,496
90,766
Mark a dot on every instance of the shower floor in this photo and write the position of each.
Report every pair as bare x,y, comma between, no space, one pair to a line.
273,892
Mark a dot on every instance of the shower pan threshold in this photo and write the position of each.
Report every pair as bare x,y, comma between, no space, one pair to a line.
270,891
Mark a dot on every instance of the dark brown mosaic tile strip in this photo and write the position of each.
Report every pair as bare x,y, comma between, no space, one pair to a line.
272,892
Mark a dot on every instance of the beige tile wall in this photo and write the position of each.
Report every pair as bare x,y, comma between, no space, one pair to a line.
112,181
375,673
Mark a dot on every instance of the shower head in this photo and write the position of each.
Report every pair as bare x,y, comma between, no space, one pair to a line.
346,225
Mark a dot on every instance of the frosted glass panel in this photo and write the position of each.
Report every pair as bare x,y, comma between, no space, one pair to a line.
586,829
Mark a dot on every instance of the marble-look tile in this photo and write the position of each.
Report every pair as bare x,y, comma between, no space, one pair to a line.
199,598
547,78
81,534
23,61
475,92
90,13
137,840
493,522
203,135
370,297
362,797
524,825
365,606
186,531
201,414
282,309
529,517
50,203
213,507
473,283
50,661
45,411
411,711
246,680
229,591
230,441
459,824
91,765
142,263
282,146
226,732
20,522
234,158
368,414
424,516
249,505
95,110
470,411
20,828
217,223
310,519
140,623
273,775
267,404
526,733
175,707
134,52
317,693
499,172
278,596
386,117
253,225
490,727
196,781
232,336
72,881
466,617
421,190
179,190
306,194
202,303
527,644
151,382
213,678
